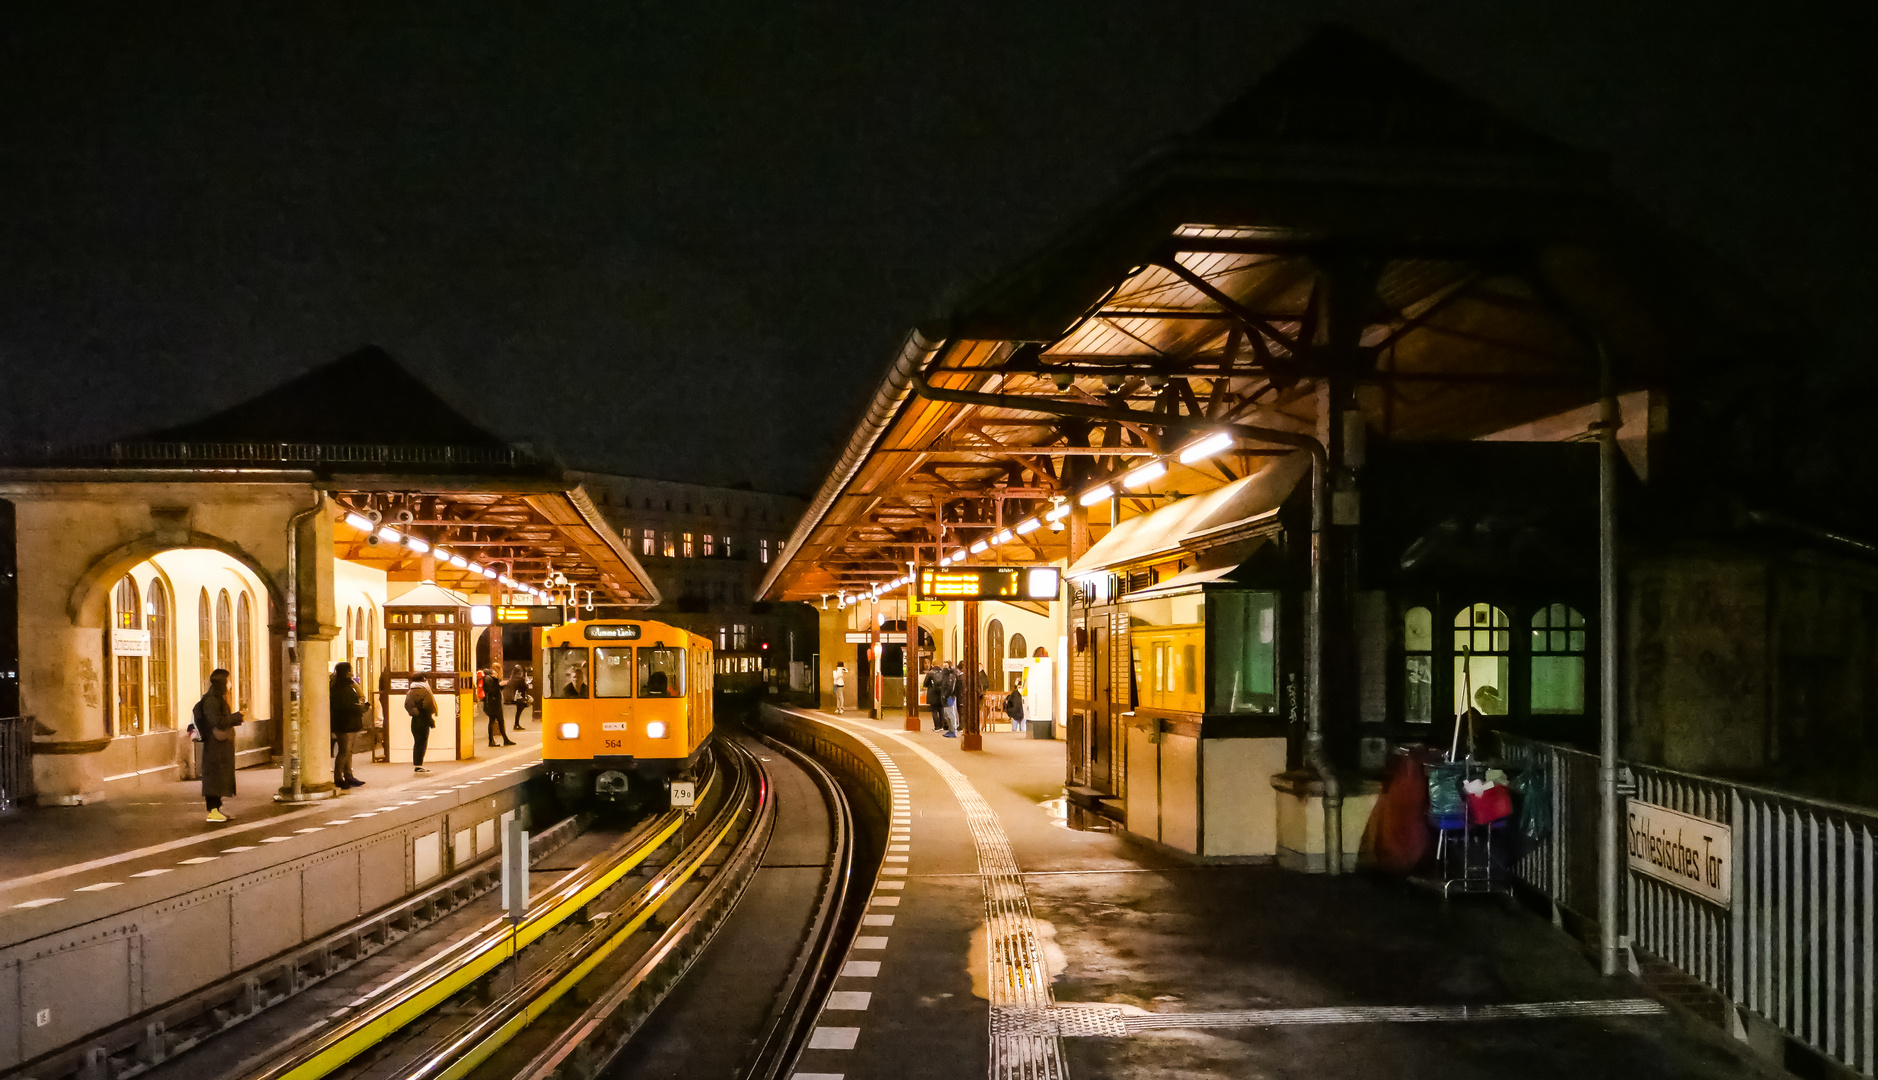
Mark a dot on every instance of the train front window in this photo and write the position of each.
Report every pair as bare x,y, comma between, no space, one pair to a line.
661,672
613,672
567,671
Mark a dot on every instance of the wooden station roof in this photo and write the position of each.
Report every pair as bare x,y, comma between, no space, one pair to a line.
1351,220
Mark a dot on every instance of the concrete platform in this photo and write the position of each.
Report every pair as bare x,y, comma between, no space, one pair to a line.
1001,939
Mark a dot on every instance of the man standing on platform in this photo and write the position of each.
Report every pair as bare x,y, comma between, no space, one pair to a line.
934,702
840,679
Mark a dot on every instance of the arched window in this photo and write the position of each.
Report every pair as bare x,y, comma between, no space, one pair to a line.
1483,657
225,634
244,651
1017,647
205,641
128,609
157,664
1418,666
994,653
1558,661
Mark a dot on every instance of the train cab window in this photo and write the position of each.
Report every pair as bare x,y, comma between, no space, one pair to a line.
661,672
567,671
613,672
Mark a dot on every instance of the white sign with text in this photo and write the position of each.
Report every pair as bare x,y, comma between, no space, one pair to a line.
1693,854
130,643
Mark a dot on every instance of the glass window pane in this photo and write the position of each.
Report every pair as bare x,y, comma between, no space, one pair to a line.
567,671
1191,668
613,672
1558,684
1245,651
1578,640
1484,678
661,672
1418,689
1418,630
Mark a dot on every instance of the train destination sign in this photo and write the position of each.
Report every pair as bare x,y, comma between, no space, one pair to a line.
1690,853
989,583
518,614
613,632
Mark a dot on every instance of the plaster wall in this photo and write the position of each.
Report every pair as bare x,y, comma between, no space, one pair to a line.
1698,662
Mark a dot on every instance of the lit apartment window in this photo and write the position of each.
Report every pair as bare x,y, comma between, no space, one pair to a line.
648,542
710,545
739,636
726,540
670,545
763,549
688,551
723,638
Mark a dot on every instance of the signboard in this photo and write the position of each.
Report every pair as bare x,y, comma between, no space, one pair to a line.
518,614
1690,853
860,637
130,642
613,632
684,795
929,607
989,583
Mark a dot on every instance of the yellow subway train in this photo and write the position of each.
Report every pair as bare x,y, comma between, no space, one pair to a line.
625,709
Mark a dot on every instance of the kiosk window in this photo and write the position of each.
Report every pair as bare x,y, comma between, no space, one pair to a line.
567,671
1244,628
613,672
661,672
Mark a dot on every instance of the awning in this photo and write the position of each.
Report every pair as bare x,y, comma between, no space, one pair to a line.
1187,581
1218,513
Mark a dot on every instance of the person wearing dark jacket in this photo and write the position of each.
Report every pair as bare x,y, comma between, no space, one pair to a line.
422,707
492,708
515,692
1014,707
217,724
935,701
347,709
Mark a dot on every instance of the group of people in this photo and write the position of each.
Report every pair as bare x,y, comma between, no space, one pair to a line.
214,722
944,683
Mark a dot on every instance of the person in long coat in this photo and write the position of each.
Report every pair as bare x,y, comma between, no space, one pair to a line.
515,692
422,707
492,707
347,709
217,723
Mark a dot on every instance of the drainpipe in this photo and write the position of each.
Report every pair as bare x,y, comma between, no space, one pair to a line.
293,643
1609,848
1315,757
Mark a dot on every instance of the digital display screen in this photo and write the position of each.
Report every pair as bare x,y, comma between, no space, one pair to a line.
989,583
518,614
607,632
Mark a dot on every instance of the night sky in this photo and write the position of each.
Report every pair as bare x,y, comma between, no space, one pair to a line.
682,240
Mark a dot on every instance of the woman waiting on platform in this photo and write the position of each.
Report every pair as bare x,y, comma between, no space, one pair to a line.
347,707
217,724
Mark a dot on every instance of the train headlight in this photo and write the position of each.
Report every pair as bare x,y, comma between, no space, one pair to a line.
570,731
655,729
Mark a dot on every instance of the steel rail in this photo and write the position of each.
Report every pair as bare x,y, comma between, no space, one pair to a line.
429,984
492,1029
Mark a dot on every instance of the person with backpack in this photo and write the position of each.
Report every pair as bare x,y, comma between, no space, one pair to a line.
422,707
346,708
930,684
950,694
217,723
1014,706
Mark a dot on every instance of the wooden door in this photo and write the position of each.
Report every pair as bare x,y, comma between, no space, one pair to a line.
1099,724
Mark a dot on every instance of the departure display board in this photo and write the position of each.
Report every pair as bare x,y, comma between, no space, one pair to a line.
989,583
518,614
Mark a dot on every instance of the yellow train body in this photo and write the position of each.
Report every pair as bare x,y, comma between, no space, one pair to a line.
625,705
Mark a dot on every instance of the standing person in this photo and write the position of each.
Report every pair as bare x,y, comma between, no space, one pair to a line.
930,684
840,679
347,708
217,724
515,692
492,708
1014,706
951,690
423,709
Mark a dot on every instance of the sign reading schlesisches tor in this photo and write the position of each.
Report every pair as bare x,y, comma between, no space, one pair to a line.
1691,853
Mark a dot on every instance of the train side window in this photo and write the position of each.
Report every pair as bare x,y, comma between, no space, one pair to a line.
661,672
613,672
567,671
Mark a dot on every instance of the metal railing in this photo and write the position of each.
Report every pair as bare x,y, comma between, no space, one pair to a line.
172,454
16,763
1795,945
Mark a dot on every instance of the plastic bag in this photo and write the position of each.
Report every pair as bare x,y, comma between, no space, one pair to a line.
1444,791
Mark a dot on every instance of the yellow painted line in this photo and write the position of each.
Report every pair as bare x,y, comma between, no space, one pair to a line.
359,1035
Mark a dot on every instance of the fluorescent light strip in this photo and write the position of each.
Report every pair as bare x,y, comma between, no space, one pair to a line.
362,524
1002,538
980,546
1145,475
1059,513
1206,447
1096,494
1028,526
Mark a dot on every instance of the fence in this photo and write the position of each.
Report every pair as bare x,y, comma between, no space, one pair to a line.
272,453
16,762
1795,943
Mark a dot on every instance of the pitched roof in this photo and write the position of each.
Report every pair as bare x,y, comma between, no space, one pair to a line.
363,397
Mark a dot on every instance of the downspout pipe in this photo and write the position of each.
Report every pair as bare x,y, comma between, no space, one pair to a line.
1610,849
294,785
1316,759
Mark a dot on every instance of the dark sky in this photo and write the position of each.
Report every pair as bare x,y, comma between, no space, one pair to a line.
681,240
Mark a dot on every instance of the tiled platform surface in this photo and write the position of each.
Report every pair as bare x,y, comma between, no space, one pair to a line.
67,865
1000,940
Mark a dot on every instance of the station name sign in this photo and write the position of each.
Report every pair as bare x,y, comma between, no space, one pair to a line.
518,615
613,632
988,583
1690,853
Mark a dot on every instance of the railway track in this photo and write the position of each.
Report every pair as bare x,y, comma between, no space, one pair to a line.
560,994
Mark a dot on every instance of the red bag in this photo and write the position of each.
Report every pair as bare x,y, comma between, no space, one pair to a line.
1493,804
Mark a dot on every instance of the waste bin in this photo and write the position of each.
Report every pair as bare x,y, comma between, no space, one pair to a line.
1043,729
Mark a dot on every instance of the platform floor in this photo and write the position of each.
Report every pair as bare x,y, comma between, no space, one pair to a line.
1000,939
48,852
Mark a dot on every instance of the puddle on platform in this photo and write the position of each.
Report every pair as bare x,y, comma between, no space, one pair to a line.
1067,815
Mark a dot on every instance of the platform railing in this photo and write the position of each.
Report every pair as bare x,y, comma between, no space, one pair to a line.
16,763
270,453
1795,945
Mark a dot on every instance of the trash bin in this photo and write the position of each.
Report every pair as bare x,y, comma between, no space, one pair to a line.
1043,729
